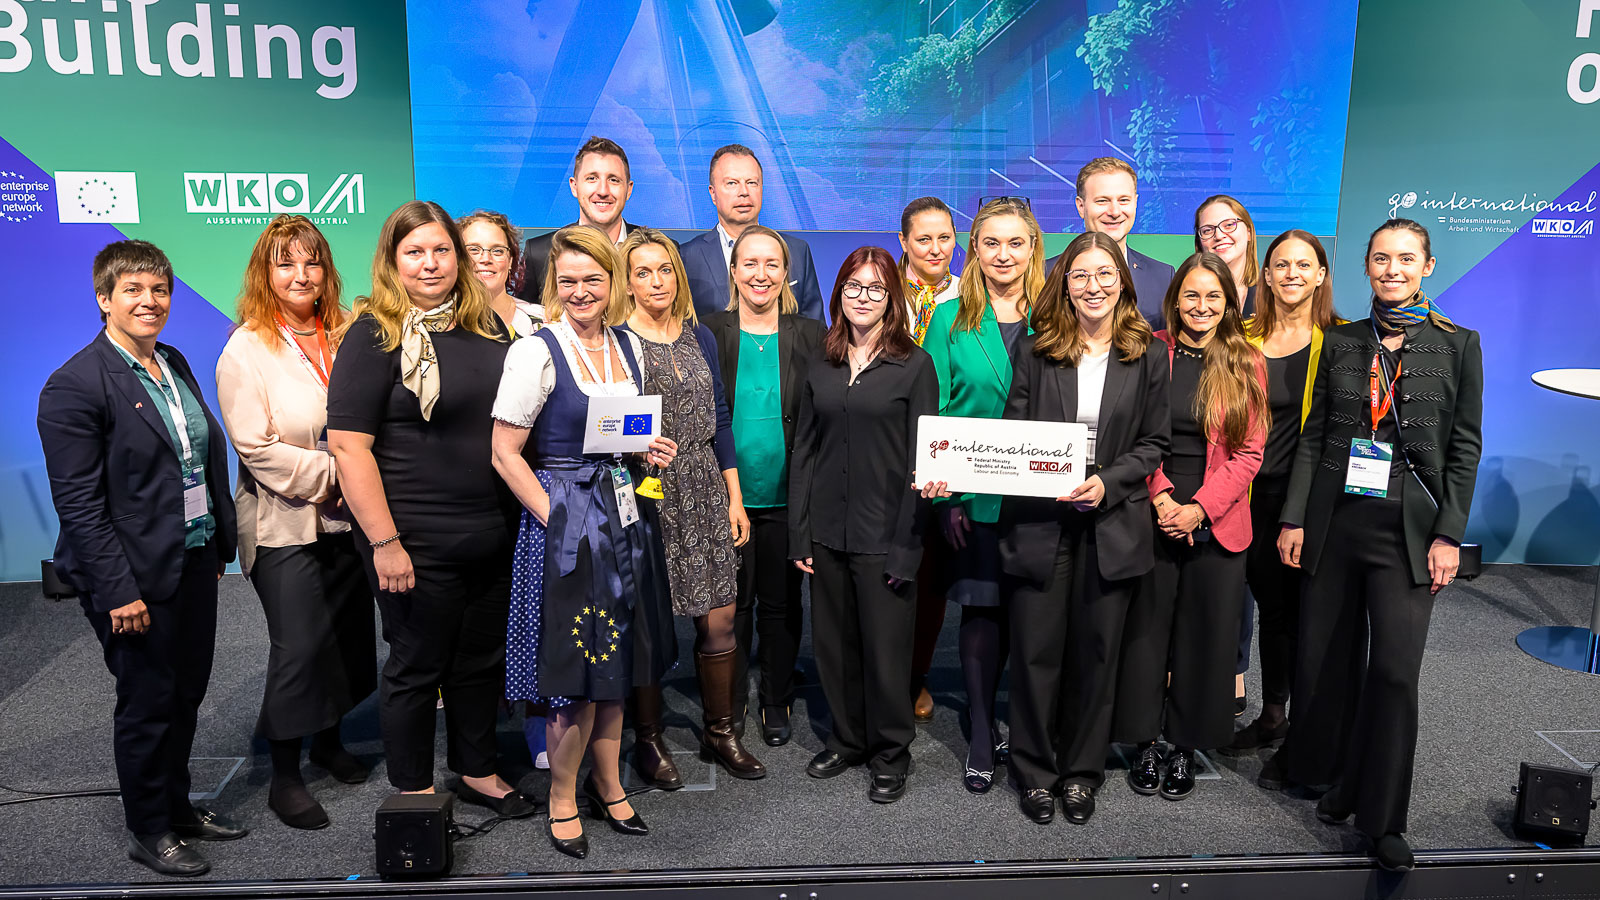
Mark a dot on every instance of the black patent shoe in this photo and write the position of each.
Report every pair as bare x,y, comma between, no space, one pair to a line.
510,806
577,847
1179,781
775,725
1145,776
601,809
887,788
828,764
1393,853
1255,736
1039,805
167,854
209,826
1077,801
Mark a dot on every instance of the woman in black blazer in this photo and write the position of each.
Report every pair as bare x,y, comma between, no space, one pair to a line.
1070,565
762,335
139,477
1376,551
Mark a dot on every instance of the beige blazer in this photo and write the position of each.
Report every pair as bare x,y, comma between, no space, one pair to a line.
275,410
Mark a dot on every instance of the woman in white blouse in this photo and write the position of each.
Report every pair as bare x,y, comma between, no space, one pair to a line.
294,538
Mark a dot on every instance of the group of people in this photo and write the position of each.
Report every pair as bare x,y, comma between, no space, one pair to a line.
425,449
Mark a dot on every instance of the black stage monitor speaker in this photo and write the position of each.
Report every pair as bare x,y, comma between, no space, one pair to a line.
413,835
1553,804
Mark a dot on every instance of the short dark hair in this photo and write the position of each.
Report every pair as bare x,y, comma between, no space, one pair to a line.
128,257
604,147
731,150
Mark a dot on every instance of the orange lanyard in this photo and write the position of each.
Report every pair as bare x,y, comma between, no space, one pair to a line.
320,366
1379,411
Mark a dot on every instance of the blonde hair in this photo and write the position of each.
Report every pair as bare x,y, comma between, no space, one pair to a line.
388,303
682,301
258,305
1252,266
787,304
1101,166
973,296
593,243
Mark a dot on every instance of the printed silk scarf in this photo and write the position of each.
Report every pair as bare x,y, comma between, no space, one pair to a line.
922,304
1397,318
419,367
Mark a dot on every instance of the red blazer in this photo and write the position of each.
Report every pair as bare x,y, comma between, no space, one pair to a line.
1225,492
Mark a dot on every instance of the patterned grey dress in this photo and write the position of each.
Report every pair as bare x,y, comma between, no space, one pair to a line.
701,559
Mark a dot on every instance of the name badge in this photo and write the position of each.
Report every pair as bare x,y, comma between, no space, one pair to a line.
1368,473
627,507
322,440
194,494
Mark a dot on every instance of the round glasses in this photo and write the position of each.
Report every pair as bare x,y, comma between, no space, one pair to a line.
1226,226
1078,279
875,292
496,253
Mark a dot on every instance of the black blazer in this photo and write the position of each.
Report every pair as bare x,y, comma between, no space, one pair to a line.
536,255
1441,434
1133,436
117,494
799,342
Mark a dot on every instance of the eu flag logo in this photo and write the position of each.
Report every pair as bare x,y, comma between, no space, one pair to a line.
639,424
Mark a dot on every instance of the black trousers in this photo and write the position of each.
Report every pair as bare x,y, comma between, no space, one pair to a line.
447,637
1276,588
1184,620
861,634
1066,637
161,676
1355,696
323,660
768,604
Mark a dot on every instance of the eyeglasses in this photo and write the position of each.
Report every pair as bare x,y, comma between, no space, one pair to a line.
1079,278
875,292
1226,226
496,253
1015,201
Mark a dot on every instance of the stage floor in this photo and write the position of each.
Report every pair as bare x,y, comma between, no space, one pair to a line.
1486,707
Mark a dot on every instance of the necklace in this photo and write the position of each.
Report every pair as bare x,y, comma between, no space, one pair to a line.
760,345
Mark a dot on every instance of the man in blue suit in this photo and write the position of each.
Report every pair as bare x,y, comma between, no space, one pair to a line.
1108,201
736,193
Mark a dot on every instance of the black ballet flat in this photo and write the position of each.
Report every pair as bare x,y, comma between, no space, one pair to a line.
600,809
577,847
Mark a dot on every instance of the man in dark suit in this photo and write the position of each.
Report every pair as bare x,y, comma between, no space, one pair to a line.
736,193
139,477
1108,202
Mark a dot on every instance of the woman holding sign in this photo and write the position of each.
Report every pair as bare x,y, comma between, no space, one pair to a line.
1376,509
1070,565
703,522
972,343
854,522
1179,652
591,620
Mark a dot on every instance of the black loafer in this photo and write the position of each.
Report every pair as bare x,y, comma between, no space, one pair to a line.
1077,802
1393,853
209,826
512,806
168,855
828,764
1039,805
775,725
887,788
1179,781
1145,776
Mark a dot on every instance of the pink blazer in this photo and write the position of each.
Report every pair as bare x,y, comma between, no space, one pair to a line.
1225,492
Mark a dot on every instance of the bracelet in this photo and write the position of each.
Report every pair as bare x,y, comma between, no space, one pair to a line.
388,540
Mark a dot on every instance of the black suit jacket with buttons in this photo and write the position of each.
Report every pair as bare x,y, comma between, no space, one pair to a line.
536,256
1440,413
1132,438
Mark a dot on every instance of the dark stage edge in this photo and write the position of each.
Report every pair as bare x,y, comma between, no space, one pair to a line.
1486,707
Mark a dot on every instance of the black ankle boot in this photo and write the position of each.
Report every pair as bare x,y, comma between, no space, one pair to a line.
293,804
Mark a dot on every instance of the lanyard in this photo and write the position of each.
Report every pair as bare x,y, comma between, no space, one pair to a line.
317,367
1379,411
174,406
583,357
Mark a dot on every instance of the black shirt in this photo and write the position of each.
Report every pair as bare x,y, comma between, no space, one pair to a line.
437,474
1286,394
1011,332
850,476
1186,462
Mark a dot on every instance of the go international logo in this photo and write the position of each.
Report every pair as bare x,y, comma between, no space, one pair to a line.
251,198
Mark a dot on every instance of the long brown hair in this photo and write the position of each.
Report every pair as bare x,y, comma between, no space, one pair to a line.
1252,267
894,337
1322,316
258,305
787,304
388,303
973,297
1231,399
1057,334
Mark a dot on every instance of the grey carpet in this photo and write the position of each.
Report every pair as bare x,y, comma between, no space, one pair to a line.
1483,701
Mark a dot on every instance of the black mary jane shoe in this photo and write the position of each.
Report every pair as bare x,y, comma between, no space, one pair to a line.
601,809
887,788
1393,854
577,847
1179,781
1077,801
209,826
510,806
775,725
828,764
1145,776
167,854
1039,805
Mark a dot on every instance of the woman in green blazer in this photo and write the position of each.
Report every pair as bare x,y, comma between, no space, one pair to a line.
971,342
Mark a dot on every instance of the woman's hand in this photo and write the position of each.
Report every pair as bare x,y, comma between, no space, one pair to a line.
1182,519
932,489
1290,542
663,450
956,526
804,565
1444,560
541,508
1088,495
393,565
740,522
131,619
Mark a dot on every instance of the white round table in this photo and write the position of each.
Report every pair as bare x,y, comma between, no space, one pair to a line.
1575,648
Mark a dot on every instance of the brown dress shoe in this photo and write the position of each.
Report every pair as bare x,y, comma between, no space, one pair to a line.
922,707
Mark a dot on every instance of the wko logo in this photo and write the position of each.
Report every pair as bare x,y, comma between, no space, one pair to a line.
1049,465
1562,227
249,193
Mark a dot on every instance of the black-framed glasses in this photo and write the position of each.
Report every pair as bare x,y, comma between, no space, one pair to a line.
1106,276
1226,226
875,292
1023,202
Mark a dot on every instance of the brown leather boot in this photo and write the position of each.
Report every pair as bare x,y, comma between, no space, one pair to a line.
718,742
650,754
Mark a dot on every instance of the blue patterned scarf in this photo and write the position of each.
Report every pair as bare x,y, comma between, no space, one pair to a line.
1398,318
